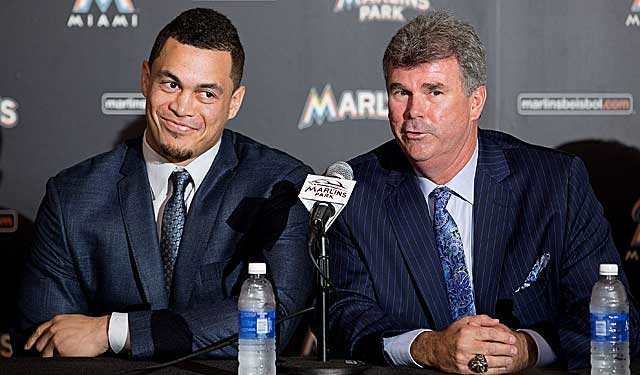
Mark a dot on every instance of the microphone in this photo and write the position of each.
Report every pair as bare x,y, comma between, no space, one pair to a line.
340,169
323,211
325,197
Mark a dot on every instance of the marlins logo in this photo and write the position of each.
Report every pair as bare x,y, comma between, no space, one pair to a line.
81,15
8,112
355,105
327,188
124,6
381,10
123,103
575,104
632,253
632,18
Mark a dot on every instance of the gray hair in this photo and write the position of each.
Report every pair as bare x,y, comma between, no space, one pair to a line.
436,36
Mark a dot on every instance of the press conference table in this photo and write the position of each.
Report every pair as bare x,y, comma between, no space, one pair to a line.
98,366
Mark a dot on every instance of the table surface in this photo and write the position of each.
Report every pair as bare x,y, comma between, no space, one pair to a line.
98,366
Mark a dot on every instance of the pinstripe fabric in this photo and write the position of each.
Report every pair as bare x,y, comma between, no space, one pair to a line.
528,200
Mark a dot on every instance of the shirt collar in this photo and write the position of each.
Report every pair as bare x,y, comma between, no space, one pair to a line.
159,169
462,183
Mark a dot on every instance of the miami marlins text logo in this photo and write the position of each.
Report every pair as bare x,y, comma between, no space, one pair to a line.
381,10
358,105
125,17
327,188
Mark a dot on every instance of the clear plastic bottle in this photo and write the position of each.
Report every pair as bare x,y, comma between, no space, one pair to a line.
257,338
609,324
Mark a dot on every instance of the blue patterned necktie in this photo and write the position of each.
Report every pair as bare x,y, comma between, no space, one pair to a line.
174,214
449,244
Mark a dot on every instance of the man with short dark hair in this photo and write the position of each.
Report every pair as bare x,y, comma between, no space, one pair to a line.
463,249
143,249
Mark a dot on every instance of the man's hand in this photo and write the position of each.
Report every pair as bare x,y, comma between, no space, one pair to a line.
527,353
451,349
71,335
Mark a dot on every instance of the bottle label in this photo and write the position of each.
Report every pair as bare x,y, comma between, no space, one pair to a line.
257,325
609,327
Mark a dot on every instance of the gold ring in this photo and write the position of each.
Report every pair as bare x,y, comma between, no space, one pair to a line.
478,364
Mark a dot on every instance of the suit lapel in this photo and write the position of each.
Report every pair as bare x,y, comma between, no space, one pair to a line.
408,214
493,220
201,219
135,198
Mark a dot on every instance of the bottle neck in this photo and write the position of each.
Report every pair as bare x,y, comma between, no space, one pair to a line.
254,276
608,277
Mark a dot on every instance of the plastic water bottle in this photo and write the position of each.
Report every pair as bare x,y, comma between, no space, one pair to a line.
609,324
257,336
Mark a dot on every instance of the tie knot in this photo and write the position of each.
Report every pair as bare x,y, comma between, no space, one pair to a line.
180,179
441,194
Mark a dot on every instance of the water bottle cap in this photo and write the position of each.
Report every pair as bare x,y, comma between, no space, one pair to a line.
257,268
609,270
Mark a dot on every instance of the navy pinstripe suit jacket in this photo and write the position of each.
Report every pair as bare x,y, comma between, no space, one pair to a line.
528,200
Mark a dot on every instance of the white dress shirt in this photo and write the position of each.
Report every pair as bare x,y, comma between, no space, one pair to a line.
460,206
159,170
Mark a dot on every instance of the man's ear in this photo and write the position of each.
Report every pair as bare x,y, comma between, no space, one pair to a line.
478,98
145,78
236,101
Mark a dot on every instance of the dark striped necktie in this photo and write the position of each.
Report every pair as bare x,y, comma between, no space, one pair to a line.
173,217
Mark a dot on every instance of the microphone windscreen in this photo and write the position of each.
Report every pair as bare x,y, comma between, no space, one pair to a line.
341,170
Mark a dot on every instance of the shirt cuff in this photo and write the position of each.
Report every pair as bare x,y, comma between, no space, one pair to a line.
398,348
546,356
118,331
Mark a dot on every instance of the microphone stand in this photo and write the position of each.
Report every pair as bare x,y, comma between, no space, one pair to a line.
323,288
317,246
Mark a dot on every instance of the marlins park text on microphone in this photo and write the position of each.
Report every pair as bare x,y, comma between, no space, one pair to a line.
326,192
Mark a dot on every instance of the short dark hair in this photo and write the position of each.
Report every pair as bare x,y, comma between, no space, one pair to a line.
436,36
206,29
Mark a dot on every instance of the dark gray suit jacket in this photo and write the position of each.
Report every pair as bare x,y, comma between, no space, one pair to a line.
528,201
96,247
